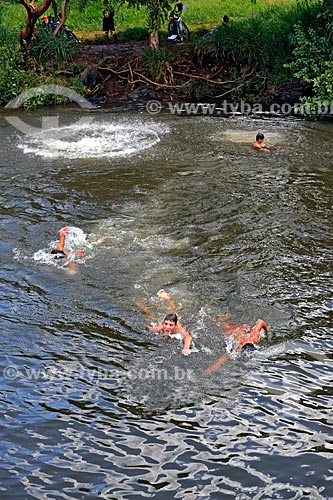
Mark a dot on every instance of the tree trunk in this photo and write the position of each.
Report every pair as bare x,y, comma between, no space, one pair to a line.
31,17
153,40
155,14
63,18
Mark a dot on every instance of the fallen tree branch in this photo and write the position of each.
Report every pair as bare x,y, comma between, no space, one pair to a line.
199,77
129,72
157,84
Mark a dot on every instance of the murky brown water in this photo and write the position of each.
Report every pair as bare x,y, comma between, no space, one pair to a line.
95,407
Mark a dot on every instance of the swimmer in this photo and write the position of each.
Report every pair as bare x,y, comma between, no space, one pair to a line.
259,143
243,337
169,325
59,251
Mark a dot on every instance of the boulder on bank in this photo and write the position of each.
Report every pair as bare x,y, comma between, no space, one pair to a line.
89,77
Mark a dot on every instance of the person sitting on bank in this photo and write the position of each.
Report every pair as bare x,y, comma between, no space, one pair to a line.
169,325
225,20
243,339
108,23
259,142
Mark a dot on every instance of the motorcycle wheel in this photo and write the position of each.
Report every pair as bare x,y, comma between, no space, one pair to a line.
69,34
186,33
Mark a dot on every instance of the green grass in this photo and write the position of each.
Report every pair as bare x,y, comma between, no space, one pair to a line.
202,14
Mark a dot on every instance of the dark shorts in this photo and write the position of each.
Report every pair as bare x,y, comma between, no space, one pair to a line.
58,254
248,348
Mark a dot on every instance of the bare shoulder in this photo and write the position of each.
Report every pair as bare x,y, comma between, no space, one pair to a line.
182,330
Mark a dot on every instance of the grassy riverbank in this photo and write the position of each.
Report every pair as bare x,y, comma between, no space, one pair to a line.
265,44
201,14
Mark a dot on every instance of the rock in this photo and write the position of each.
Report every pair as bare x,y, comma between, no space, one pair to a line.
291,92
89,77
139,94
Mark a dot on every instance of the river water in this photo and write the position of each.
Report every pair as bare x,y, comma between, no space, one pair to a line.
93,405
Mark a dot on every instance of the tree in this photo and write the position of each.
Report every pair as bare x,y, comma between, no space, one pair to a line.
63,16
31,17
34,12
158,10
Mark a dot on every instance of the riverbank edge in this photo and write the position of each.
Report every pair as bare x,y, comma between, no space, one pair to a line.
112,76
115,74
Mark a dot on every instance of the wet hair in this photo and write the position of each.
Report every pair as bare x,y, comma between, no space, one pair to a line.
58,254
171,317
260,136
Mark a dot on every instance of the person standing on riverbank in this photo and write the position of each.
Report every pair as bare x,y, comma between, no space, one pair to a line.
108,23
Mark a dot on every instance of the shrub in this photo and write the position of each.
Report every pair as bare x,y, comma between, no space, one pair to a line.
261,41
10,60
157,63
312,58
50,52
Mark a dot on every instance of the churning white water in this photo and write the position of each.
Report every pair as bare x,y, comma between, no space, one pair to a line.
118,138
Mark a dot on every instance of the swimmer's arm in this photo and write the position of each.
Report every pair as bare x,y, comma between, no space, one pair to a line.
258,326
211,369
168,301
260,147
187,341
254,335
144,308
62,239
155,329
262,324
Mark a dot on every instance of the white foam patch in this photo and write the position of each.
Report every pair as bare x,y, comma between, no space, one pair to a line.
102,140
75,238
247,137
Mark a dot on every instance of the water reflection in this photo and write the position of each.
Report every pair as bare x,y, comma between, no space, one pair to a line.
93,405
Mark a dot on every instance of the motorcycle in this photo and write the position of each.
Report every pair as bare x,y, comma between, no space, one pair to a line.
50,23
177,29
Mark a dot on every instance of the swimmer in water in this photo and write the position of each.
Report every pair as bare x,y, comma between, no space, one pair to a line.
59,251
170,325
243,338
259,143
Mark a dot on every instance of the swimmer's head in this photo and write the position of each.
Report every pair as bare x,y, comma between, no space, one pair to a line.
260,137
171,317
169,323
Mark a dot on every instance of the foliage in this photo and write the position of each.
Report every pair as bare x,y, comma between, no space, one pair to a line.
259,42
10,60
157,10
310,53
133,35
9,74
86,15
156,62
49,51
312,57
16,77
42,98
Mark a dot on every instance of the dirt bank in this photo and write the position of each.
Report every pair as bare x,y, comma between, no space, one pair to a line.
119,72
